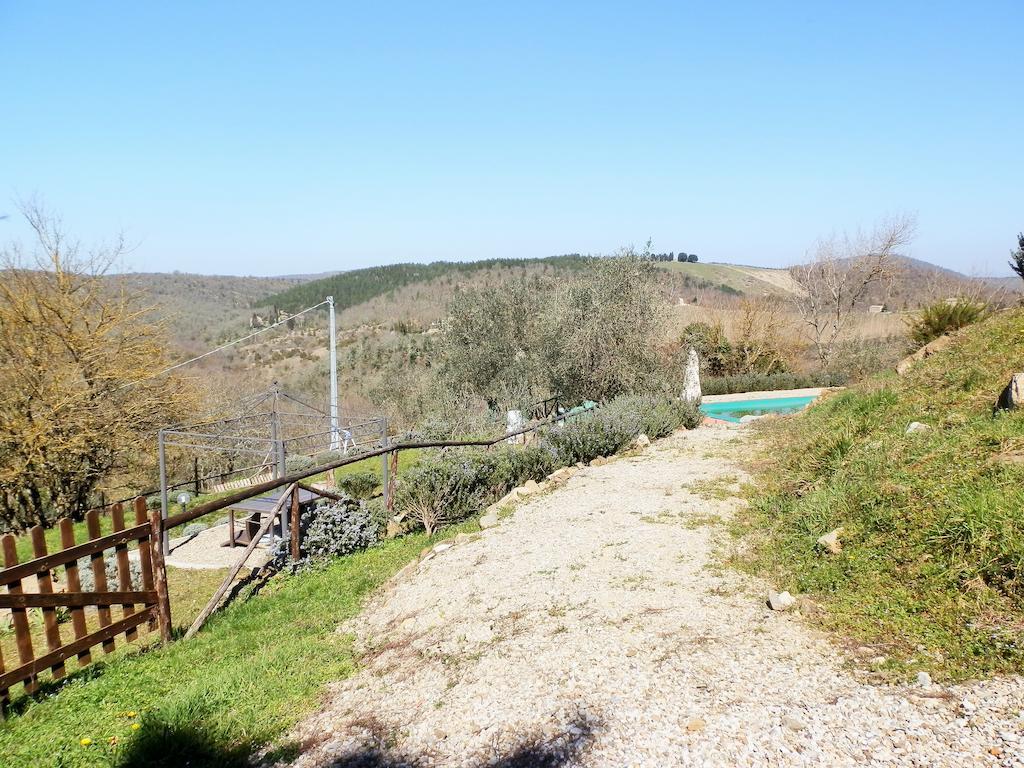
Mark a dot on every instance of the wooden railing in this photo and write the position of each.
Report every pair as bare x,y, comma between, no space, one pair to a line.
145,603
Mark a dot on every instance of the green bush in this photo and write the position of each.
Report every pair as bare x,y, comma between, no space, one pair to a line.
514,465
297,463
612,427
444,488
338,528
943,317
359,485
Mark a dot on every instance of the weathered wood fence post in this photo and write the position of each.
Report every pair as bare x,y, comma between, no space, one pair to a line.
163,599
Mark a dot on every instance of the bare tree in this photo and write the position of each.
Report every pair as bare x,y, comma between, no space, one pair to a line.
839,277
78,354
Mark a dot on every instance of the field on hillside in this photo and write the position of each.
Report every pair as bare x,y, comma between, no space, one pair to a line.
755,281
930,575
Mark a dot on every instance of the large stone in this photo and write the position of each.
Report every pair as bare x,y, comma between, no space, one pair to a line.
780,601
529,487
917,426
642,441
1012,397
691,379
561,475
490,517
927,350
830,541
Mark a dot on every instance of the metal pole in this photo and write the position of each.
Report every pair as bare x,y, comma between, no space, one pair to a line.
335,442
384,460
279,460
165,544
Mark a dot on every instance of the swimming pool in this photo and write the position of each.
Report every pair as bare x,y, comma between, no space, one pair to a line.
734,410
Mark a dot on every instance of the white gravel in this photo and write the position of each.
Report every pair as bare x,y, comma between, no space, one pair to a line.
595,628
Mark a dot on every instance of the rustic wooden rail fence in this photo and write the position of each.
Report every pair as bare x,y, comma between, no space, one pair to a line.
149,605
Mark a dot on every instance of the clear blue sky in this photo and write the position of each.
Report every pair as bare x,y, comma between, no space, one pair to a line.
251,138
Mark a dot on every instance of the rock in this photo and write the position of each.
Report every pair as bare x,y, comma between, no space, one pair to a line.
781,601
529,487
696,725
441,546
600,461
691,379
642,441
393,529
561,475
917,426
927,350
489,519
1012,397
790,722
924,679
750,417
510,497
830,541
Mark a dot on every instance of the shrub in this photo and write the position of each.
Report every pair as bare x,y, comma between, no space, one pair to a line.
338,528
444,489
297,463
514,465
193,529
359,485
943,317
88,582
714,349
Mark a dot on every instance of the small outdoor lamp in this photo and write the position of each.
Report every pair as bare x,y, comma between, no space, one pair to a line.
184,498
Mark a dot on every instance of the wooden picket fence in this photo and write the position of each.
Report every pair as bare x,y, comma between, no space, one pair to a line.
148,606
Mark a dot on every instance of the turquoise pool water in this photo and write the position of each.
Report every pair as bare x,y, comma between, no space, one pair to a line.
735,410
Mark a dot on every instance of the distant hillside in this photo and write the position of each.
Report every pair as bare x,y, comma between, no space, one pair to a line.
199,309
360,285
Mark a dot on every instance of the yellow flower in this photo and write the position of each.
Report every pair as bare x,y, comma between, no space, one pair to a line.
130,714
85,742
135,726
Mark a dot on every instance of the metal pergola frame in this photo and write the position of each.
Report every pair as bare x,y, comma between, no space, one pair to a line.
266,430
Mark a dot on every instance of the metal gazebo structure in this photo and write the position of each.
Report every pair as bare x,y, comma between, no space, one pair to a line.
272,429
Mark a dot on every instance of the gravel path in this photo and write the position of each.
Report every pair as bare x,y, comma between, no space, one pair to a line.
594,628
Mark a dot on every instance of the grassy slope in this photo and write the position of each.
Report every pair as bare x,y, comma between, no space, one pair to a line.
932,568
250,674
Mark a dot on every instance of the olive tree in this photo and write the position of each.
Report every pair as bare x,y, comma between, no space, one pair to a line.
589,335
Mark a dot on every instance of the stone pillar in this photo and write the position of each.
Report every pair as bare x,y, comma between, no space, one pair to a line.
691,380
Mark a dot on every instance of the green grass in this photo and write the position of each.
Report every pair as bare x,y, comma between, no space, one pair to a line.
252,672
932,567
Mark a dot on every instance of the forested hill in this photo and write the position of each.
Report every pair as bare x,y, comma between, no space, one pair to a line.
359,285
